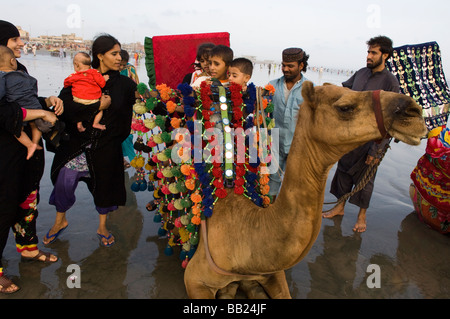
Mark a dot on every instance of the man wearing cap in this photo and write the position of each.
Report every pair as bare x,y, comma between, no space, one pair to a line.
287,100
352,166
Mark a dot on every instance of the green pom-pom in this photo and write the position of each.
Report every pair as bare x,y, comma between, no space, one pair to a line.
142,88
150,103
194,239
168,152
181,187
166,137
269,108
186,203
268,119
190,228
161,122
176,171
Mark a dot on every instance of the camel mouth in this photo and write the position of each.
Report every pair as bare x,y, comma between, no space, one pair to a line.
411,134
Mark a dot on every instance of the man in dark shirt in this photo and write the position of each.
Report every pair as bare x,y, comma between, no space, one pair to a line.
352,166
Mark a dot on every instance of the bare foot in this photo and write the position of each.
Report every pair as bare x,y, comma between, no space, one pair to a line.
360,225
99,126
30,150
336,211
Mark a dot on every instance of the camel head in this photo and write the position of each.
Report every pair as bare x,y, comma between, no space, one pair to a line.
339,116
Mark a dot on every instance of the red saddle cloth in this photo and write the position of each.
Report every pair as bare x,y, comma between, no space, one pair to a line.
173,55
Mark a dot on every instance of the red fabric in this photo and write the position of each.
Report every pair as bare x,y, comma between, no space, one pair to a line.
174,54
86,84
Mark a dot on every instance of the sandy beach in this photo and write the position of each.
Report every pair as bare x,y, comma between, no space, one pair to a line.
413,259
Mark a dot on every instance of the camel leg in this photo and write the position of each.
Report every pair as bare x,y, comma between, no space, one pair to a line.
229,292
276,286
252,289
200,280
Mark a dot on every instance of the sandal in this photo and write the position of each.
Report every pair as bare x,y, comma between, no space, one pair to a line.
5,283
105,244
54,236
38,258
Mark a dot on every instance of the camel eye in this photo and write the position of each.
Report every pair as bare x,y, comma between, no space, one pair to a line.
346,108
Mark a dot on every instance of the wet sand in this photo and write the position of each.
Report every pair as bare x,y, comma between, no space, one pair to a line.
413,259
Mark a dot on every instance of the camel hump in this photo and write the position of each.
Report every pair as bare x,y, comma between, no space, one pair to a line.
308,92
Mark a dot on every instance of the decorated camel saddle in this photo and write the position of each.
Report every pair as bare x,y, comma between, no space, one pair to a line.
419,70
195,147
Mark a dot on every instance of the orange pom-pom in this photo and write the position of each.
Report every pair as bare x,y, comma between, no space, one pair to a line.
264,180
269,87
171,106
196,220
196,198
190,184
266,200
265,189
196,210
185,169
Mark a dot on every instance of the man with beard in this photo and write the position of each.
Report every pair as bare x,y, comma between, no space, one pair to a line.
287,100
352,166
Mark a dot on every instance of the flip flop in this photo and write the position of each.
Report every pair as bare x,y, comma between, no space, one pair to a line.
100,236
54,236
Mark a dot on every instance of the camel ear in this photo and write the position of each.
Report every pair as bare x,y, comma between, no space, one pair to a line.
308,93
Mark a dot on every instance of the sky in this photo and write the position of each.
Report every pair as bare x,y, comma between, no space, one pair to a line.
333,33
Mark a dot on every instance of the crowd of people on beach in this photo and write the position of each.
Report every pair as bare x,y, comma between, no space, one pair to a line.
90,121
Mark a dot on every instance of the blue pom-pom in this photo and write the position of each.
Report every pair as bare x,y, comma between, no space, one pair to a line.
143,186
162,232
157,218
191,252
190,126
168,251
189,111
135,187
208,211
185,89
151,187
183,254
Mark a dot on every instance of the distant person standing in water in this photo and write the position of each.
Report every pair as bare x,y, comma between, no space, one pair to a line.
352,166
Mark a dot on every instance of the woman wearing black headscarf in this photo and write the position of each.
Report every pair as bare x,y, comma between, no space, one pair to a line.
20,178
94,156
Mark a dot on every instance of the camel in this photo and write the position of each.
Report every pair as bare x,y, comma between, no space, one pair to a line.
251,244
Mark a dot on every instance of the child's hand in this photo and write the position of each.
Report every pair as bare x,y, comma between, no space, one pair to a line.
49,117
105,102
56,103
106,77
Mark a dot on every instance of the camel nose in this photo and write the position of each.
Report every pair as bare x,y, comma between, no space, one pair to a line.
405,107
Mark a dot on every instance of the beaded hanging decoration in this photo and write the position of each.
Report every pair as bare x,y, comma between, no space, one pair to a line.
188,168
419,71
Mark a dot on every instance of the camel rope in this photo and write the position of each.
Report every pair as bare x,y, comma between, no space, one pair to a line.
369,173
